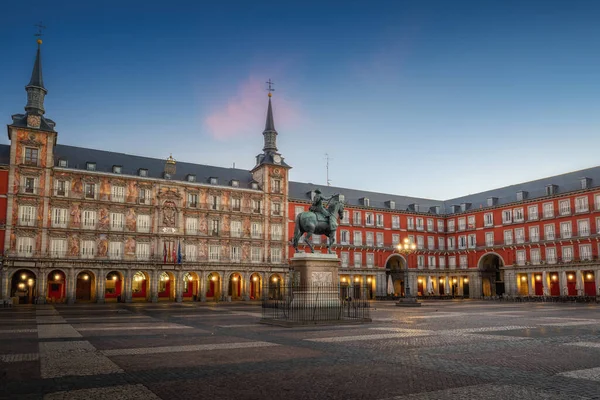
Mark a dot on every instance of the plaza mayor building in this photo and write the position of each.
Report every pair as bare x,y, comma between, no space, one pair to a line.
91,225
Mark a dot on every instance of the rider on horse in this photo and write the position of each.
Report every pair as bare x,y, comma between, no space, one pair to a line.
317,205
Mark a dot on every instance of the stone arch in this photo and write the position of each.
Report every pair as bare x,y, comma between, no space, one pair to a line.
190,281
275,286
24,286
213,286
140,286
396,267
256,285
167,281
114,285
57,282
235,286
492,275
85,286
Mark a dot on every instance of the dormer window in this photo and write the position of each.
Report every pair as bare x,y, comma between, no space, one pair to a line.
63,163
254,185
191,178
116,169
143,172
167,175
213,181
586,183
392,204
492,201
365,202
235,183
90,166
341,198
551,190
521,195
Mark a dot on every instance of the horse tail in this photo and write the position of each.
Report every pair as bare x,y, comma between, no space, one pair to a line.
297,232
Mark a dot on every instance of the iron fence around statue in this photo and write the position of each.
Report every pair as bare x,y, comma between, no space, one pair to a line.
316,304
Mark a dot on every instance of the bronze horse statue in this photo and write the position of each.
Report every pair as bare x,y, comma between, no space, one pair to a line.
309,222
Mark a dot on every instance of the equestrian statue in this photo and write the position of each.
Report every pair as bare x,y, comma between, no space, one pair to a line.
319,220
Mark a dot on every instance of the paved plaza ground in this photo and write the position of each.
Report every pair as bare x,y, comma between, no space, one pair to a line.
462,349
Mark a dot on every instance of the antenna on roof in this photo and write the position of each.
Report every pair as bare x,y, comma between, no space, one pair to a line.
327,166
234,164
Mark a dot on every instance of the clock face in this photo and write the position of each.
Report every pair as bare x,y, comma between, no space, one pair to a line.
277,159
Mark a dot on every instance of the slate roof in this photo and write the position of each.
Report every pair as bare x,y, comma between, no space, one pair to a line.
36,75
4,154
20,121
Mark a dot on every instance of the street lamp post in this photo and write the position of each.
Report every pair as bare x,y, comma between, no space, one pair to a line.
406,248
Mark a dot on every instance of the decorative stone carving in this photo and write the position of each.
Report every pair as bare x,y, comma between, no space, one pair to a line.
130,246
102,246
103,219
77,186
321,278
75,215
169,214
104,189
132,191
131,220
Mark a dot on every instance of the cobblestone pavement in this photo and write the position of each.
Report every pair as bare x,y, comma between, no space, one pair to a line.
462,349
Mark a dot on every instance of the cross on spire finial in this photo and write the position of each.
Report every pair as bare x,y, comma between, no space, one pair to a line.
39,32
270,88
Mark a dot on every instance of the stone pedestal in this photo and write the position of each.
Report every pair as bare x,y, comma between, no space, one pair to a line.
316,269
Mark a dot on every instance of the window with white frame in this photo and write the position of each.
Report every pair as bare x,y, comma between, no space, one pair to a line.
346,217
357,260
549,232
451,225
117,193
463,261
488,219
89,219
344,237
451,242
214,203
489,239
534,234
143,196
532,213
116,221
58,248
29,185
59,217
90,190
369,219
115,250
276,232
357,238
142,250
534,255
430,242
551,255
395,239
452,262
411,238
356,220
410,223
585,252
276,185
518,215
236,204
370,260
276,208
440,225
520,257
520,235
442,262
25,246
430,227
597,201
420,226
192,200
191,226
431,262
275,255
256,254
420,261
236,228
471,222
548,210
564,207
441,243
565,230
344,256
395,221
88,248
61,188
506,216
31,156
370,239
379,239
462,242
581,204
26,215
214,252
214,226
420,242
256,230
236,254
379,220
567,253
143,223
462,224
298,210
583,227
472,241
508,236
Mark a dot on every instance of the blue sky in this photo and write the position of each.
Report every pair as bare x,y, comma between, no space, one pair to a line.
433,99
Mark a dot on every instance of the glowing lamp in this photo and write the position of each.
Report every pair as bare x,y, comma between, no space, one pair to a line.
466,280
523,278
538,278
570,277
255,279
56,277
85,277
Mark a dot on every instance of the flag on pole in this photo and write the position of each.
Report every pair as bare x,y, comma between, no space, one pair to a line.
169,253
164,252
174,255
178,252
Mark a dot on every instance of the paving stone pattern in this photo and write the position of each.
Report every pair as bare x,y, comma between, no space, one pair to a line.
461,349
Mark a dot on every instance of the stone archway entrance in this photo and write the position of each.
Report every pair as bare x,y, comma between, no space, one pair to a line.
395,269
492,275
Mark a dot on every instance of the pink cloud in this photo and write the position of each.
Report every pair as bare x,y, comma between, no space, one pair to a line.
245,113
